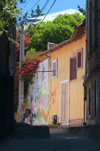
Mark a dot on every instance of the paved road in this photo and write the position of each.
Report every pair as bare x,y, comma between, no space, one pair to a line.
59,141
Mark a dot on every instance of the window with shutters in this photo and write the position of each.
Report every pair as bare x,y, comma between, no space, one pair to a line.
79,58
73,70
54,68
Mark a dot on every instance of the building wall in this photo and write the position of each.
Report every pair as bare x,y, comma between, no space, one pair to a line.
76,92
38,95
94,116
8,61
92,73
6,106
7,68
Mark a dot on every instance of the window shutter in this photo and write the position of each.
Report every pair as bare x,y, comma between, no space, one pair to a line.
74,64
54,69
72,68
79,59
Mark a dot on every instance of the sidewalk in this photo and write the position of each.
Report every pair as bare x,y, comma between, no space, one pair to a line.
89,131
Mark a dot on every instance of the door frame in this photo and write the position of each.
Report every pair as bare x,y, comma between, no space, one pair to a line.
63,83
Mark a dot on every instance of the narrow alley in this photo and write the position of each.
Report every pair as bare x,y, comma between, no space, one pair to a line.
59,141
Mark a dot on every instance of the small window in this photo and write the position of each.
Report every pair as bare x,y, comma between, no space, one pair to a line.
54,68
73,68
79,58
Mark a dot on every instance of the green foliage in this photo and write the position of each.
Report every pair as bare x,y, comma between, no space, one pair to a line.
33,51
10,14
81,10
36,13
33,13
60,29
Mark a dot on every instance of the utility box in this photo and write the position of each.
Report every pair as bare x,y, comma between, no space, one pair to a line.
54,119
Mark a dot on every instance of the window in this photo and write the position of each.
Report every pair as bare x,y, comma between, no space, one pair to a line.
79,58
73,67
54,68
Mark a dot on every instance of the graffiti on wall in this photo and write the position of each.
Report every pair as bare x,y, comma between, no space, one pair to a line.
35,87
43,106
53,97
38,98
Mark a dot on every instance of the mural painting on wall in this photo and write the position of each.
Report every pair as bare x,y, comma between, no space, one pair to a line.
43,106
38,98
53,96
40,105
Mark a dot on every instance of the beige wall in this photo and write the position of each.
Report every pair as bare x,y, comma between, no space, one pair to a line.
76,86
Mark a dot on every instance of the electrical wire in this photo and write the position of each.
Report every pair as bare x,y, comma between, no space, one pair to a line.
34,6
45,5
26,4
48,11
22,4
42,8
45,15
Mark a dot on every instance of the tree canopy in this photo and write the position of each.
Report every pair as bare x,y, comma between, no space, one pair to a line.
56,31
10,14
37,12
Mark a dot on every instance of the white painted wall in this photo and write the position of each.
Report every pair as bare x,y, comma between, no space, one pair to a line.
38,93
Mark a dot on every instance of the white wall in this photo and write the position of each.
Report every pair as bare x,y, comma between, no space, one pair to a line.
38,94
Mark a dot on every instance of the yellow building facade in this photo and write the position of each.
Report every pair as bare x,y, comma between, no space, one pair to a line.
67,69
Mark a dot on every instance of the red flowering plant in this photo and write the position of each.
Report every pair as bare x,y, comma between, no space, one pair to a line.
26,44
16,76
27,72
29,67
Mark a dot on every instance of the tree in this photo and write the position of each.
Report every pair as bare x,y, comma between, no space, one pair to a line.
60,29
37,12
81,10
32,13
10,14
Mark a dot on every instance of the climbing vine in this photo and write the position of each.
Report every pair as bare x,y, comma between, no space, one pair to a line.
28,69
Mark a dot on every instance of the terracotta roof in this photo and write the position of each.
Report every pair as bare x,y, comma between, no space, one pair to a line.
79,32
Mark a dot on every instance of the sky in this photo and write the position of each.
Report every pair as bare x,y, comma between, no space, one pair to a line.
59,5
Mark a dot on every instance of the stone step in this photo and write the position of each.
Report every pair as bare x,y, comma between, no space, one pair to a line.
23,130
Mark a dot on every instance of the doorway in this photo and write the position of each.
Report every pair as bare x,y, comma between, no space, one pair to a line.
64,102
